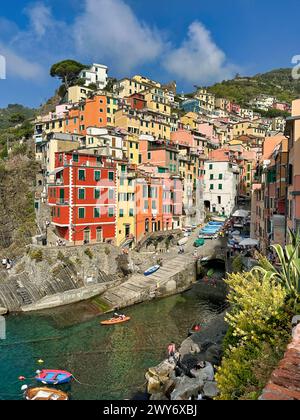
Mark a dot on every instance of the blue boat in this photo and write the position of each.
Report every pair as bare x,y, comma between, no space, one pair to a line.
152,270
54,377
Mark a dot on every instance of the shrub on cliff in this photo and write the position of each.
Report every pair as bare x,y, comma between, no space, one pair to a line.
259,324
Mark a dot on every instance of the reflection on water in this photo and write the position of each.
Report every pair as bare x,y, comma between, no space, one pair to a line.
112,361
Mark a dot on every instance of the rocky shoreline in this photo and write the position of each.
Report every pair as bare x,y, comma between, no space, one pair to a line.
173,380
181,381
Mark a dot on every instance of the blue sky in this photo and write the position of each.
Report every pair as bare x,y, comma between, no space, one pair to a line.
193,42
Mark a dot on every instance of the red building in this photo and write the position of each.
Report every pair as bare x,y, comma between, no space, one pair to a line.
136,101
82,197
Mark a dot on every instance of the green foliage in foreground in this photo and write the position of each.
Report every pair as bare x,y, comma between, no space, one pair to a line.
259,330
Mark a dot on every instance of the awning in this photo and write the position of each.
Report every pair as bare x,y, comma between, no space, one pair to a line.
57,171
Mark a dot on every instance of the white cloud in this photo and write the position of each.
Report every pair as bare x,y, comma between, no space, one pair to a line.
108,31
40,17
20,67
199,59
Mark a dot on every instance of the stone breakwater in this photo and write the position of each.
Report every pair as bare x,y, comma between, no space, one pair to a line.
181,381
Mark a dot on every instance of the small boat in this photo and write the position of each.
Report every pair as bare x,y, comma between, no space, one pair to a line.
115,321
199,242
45,394
152,270
54,377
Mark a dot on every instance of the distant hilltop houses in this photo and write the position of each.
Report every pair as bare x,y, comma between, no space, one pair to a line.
124,159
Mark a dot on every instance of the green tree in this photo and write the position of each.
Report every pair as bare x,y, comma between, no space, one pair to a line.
67,71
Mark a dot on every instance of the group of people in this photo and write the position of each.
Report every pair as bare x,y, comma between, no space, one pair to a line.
118,316
7,263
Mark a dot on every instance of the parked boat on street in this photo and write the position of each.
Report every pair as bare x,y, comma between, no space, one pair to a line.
152,270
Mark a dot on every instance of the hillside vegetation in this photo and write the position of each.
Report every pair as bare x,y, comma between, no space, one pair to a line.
278,83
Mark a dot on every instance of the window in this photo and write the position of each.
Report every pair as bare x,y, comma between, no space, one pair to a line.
154,205
97,193
219,199
111,176
131,212
81,213
96,213
111,194
149,155
97,175
211,166
220,187
220,176
145,191
211,176
81,175
75,158
211,186
146,205
111,212
121,213
131,156
81,194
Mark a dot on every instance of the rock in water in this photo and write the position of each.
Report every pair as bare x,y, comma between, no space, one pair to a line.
205,374
3,311
186,388
210,390
159,376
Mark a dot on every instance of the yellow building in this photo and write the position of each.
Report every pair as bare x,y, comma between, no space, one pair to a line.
248,128
78,93
157,101
190,120
126,205
127,87
137,123
133,149
207,100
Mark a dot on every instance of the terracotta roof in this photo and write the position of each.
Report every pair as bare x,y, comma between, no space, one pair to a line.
285,380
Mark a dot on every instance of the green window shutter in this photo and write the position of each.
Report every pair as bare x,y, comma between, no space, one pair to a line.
131,213
97,175
210,166
211,176
111,212
220,176
111,176
97,194
75,158
211,186
81,194
62,195
121,213
96,213
220,187
81,175
81,213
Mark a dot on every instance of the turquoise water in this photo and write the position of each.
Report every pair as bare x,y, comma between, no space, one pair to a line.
112,361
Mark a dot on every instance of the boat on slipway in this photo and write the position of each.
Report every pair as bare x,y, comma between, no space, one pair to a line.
152,270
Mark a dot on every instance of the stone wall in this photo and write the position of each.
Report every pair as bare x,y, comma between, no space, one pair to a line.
285,380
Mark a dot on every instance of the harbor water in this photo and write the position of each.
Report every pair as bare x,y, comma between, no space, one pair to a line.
109,362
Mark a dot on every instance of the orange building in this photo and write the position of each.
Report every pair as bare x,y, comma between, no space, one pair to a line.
92,113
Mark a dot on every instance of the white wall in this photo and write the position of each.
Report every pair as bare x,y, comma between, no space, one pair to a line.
228,194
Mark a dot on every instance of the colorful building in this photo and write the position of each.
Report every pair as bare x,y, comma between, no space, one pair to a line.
82,198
